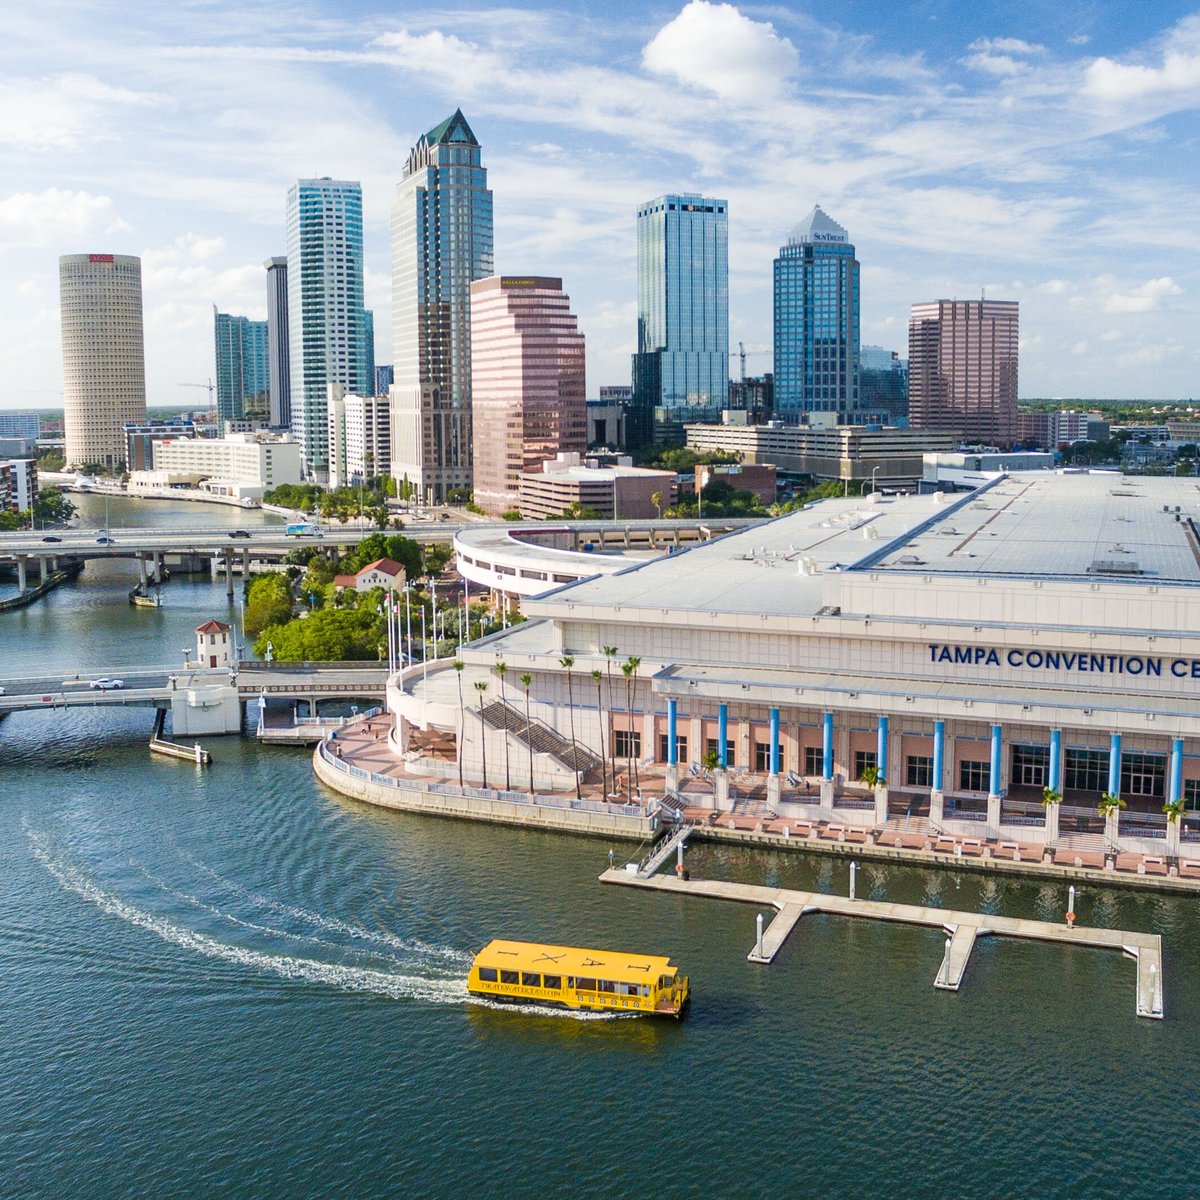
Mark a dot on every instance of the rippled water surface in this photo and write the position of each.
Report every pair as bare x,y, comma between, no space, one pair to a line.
235,983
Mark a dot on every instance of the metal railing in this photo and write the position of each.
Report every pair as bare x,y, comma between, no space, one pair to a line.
525,799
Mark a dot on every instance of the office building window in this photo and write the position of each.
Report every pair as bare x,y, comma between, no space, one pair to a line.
1030,766
814,760
974,776
864,760
1086,770
918,771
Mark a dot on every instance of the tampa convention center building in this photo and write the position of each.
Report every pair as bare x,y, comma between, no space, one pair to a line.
943,656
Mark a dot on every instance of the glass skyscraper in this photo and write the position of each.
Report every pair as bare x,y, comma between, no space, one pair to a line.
326,319
963,357
681,368
278,348
817,324
441,244
243,366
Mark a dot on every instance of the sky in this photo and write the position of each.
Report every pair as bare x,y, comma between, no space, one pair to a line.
1046,152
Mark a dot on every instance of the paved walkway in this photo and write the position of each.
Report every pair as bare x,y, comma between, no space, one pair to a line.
365,744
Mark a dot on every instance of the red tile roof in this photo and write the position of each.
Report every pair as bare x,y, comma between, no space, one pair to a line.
212,627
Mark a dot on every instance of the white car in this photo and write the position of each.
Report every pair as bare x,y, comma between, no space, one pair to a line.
107,685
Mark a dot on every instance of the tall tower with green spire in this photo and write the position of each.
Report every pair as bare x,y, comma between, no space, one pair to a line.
441,243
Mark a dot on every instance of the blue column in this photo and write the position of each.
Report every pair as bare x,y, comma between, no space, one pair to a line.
723,734
1054,782
827,747
774,741
939,755
881,755
1114,764
994,774
672,723
1176,784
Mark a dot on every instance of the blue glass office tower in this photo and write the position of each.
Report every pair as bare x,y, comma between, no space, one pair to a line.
243,372
326,319
681,368
817,324
441,244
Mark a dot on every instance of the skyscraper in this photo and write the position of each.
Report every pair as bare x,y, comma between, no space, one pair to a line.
104,367
325,306
817,324
883,383
243,371
681,367
441,243
278,349
962,368
528,394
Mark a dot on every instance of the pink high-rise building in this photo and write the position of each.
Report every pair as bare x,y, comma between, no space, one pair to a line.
527,382
962,369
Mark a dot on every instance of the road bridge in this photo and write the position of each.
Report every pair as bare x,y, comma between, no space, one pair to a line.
153,546
200,701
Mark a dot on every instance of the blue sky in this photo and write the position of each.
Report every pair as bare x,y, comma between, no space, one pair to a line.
1046,152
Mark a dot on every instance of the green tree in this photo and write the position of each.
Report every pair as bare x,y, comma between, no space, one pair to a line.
610,654
328,635
526,681
436,557
598,680
52,507
501,669
268,602
481,687
462,715
567,662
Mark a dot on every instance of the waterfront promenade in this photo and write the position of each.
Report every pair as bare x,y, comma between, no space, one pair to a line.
361,762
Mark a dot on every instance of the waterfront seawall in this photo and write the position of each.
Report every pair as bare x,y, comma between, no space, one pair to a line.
413,796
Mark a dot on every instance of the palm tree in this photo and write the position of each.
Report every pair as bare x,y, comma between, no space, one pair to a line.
526,680
501,669
656,498
481,687
633,662
610,653
628,668
597,678
462,716
567,662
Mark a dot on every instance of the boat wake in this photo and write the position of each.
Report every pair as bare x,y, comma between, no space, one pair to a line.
331,924
397,984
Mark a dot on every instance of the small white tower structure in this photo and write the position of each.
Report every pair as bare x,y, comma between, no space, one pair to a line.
213,645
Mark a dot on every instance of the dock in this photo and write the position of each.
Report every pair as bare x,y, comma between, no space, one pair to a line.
962,929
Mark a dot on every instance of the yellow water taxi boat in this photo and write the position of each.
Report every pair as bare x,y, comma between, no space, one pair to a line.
566,976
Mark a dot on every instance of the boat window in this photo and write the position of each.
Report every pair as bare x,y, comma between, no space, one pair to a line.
531,979
487,974
552,981
510,977
606,985
571,982
586,985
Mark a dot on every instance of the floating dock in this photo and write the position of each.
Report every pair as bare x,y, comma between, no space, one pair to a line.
961,928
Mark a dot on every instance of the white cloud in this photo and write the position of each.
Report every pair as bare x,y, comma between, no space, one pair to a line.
1146,356
1111,335
54,217
1179,71
1001,56
715,48
1079,348
64,111
1146,297
1006,45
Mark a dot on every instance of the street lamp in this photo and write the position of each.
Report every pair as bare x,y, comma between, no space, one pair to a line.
270,651
873,470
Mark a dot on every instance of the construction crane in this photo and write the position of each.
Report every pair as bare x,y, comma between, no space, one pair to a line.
755,351
209,387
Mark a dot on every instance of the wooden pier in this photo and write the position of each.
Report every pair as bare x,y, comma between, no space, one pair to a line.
961,928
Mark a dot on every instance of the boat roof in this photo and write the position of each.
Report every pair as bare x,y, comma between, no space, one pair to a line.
573,960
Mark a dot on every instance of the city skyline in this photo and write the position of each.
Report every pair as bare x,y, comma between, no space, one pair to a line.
1045,158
